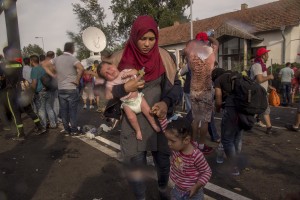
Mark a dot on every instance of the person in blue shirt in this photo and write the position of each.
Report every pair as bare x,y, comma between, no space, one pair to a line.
42,98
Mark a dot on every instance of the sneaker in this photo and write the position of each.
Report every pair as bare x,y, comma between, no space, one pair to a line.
235,171
59,120
40,131
6,128
22,138
52,126
271,131
74,134
84,106
91,107
216,140
66,133
291,127
260,124
99,110
207,150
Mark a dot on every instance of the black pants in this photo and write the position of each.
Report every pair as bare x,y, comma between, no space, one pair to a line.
9,104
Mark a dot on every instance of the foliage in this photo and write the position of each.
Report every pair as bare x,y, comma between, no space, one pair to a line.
31,50
165,12
59,52
275,68
90,13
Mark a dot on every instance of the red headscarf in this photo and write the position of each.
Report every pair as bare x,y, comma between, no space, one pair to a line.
133,58
261,62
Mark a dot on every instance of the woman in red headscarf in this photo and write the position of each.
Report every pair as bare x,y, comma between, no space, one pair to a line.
161,88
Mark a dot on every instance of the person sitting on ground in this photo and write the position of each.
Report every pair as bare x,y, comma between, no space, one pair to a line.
186,157
134,102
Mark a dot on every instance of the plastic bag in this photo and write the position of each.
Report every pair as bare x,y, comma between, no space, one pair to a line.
274,99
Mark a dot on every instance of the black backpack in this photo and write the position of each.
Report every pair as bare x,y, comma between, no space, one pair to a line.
48,82
250,97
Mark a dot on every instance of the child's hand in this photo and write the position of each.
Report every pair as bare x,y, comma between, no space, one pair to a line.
194,189
129,74
134,84
126,75
159,109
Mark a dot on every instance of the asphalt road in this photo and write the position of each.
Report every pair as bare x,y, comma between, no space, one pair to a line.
52,166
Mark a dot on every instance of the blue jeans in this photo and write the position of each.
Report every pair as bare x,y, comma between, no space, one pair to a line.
68,102
162,163
44,108
55,103
176,194
231,134
286,92
212,130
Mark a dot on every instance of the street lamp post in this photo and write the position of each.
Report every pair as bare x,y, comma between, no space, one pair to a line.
42,42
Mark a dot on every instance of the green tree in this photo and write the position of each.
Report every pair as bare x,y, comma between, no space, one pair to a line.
165,12
31,50
58,52
90,13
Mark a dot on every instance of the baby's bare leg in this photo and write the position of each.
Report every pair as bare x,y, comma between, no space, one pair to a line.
133,121
146,111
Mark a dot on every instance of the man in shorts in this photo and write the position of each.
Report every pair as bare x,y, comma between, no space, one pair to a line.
259,72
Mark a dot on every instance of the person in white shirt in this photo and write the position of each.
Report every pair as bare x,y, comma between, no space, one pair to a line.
259,73
286,75
26,69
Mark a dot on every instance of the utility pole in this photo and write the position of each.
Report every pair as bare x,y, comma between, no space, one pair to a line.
12,27
191,11
42,42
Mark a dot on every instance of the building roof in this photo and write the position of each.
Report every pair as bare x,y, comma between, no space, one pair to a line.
261,18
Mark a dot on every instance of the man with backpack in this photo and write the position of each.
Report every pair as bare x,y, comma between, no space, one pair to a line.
259,72
42,98
240,98
231,131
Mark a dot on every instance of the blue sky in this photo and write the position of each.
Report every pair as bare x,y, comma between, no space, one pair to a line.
51,19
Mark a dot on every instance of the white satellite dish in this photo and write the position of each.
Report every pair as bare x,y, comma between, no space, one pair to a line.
94,39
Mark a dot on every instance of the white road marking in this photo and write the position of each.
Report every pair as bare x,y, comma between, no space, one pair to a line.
100,147
210,186
108,142
226,193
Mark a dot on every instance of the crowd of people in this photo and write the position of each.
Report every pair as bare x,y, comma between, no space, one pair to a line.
49,90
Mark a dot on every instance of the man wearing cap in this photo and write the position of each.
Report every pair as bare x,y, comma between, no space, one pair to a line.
259,72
